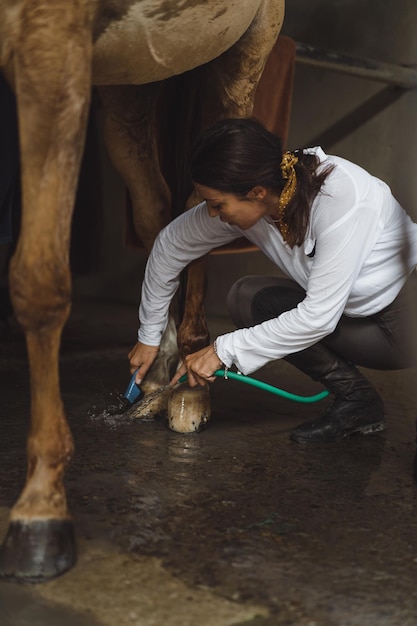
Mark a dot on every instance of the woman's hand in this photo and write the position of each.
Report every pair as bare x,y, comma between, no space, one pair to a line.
141,358
200,367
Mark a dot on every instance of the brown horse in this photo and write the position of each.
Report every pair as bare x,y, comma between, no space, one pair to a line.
52,53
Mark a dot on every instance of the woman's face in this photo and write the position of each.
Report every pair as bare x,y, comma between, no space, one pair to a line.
232,209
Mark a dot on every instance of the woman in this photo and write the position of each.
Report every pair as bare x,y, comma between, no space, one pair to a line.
346,245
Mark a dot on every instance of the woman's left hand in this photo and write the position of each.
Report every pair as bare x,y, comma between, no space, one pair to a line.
200,367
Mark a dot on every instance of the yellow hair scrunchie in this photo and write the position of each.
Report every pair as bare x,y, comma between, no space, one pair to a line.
288,173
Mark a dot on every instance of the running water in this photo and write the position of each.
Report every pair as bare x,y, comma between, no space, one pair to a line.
153,404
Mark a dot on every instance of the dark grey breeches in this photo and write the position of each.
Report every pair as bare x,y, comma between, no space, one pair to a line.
386,340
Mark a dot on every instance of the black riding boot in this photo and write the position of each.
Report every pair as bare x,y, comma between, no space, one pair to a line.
356,408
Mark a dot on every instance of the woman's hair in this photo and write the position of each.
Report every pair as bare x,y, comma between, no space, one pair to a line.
235,155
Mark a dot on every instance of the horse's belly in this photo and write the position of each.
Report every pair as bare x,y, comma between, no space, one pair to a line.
154,40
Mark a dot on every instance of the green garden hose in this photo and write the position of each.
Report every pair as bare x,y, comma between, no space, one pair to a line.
260,385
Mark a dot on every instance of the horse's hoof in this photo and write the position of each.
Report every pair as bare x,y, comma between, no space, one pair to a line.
37,551
189,409
155,402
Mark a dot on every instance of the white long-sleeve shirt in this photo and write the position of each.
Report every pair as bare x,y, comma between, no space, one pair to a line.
365,247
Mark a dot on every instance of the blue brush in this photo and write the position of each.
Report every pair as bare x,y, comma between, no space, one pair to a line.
125,402
133,392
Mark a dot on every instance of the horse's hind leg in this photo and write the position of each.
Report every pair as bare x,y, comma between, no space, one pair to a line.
230,81
129,130
227,89
52,82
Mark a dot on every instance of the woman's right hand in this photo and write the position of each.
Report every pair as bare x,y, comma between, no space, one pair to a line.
141,358
200,367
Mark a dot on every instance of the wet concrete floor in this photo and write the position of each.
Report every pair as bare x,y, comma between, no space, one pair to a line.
234,525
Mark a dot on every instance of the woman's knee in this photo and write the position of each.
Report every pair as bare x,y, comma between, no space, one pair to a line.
254,299
239,300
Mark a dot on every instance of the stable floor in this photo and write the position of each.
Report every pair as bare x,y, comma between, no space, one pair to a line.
234,525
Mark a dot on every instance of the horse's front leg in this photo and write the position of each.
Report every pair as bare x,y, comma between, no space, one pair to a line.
52,83
129,130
